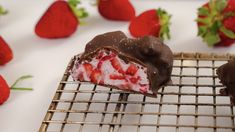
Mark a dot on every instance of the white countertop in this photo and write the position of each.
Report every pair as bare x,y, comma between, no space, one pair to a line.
47,59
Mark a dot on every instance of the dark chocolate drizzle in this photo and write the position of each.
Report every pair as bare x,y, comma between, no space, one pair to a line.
226,74
149,50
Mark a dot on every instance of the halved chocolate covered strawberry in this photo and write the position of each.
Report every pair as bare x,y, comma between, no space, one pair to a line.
139,65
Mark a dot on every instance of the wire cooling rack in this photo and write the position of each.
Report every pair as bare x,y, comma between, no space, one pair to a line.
191,103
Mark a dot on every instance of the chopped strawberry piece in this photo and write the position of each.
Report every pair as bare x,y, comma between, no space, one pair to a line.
116,65
143,89
131,70
116,77
80,77
88,67
96,76
134,79
105,58
101,81
101,54
126,86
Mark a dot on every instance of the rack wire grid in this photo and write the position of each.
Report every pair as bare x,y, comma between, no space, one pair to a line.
191,103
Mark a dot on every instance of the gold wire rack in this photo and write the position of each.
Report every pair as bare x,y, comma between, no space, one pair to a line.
191,103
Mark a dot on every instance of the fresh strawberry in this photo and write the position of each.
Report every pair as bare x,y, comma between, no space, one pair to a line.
2,11
5,89
88,68
116,65
216,22
116,9
131,70
60,20
6,53
96,76
116,77
152,22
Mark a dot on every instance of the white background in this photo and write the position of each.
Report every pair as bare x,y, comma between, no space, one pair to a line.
47,59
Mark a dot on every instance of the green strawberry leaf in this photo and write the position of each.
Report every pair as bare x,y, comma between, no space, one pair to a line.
203,11
215,26
211,38
212,7
13,87
78,12
205,21
202,30
2,11
165,23
221,5
227,32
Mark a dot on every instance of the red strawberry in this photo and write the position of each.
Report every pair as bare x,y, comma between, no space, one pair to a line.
96,76
5,89
151,22
6,54
131,70
116,9
60,20
100,55
116,65
88,67
116,77
105,58
216,22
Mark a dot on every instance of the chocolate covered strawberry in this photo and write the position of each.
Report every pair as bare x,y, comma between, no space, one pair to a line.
216,22
5,88
2,11
6,54
60,20
152,22
116,9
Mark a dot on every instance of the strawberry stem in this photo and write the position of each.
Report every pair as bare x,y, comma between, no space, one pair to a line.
13,87
79,12
2,11
24,89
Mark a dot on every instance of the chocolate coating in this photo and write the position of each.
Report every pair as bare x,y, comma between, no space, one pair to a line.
226,74
149,51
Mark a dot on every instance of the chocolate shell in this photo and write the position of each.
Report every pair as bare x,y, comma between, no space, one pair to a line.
226,74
